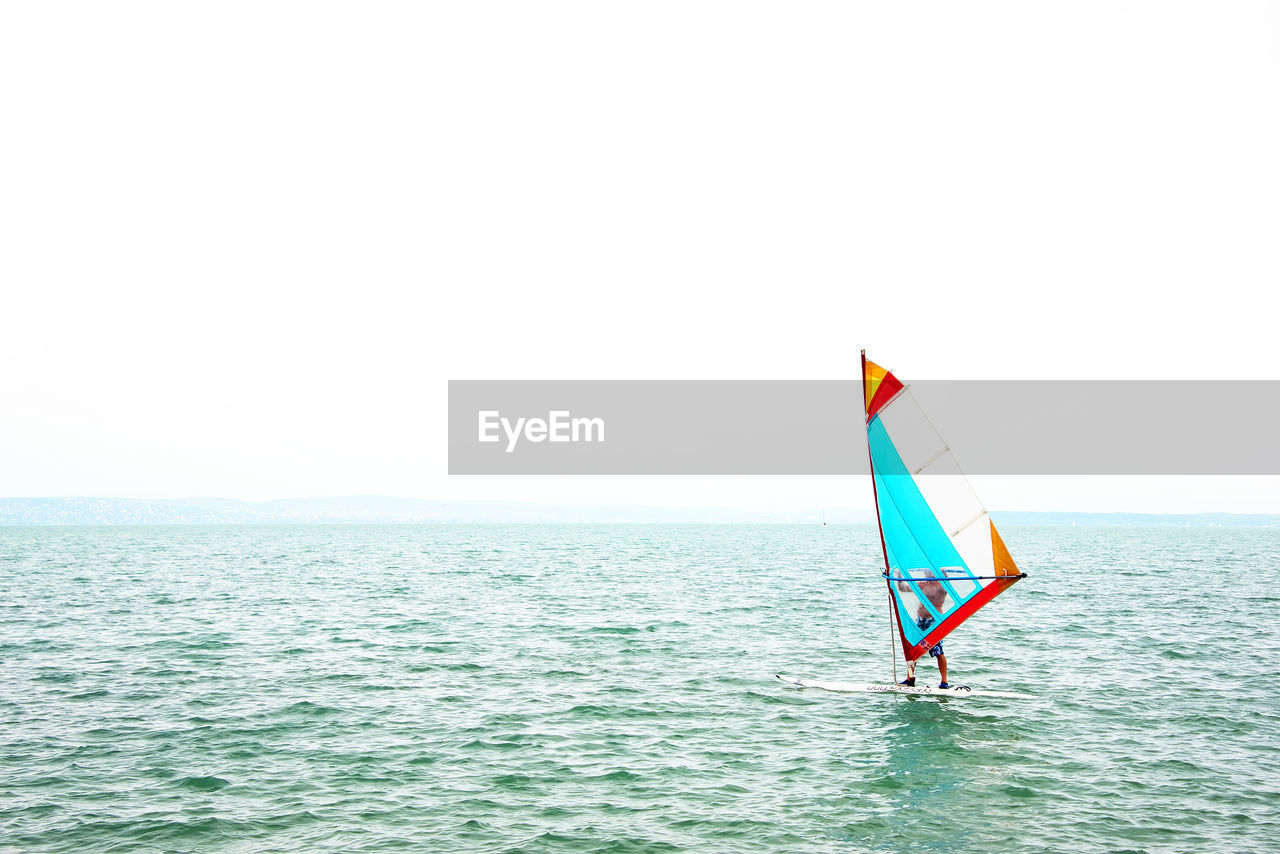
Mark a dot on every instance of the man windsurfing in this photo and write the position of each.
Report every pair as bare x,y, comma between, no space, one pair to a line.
937,596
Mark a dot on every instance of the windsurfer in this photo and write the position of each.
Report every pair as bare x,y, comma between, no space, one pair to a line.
937,596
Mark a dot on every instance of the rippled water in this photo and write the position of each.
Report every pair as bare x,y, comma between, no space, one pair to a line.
608,688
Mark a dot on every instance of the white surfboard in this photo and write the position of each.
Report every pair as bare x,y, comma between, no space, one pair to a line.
919,690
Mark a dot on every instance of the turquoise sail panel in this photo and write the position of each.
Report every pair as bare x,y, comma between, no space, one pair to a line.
917,547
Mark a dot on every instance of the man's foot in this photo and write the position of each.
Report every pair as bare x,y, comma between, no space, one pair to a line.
944,684
910,682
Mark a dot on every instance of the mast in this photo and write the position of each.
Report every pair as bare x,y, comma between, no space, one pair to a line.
884,550
871,468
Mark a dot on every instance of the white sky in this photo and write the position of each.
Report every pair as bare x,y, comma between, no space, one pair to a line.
243,246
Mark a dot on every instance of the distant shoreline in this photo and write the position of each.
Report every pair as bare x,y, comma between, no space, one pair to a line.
381,510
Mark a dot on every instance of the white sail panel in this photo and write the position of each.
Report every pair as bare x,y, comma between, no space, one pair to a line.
918,444
961,516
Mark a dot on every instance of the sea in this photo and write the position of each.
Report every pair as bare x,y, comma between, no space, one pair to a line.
610,688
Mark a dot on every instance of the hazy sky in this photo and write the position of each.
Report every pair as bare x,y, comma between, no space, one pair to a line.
243,246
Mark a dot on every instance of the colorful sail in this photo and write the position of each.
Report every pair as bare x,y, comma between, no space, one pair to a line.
943,557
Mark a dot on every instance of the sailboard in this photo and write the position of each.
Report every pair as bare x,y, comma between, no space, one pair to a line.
944,560
917,690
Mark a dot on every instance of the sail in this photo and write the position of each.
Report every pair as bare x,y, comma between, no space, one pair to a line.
943,557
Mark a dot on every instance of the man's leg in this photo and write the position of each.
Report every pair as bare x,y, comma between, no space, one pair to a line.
942,667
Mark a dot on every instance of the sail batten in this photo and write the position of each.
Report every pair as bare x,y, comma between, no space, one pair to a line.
941,566
931,461
975,517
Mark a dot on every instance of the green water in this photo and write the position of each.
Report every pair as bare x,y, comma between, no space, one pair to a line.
608,688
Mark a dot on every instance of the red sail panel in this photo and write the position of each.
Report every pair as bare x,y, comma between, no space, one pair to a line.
884,391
